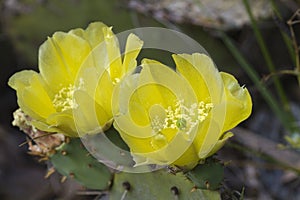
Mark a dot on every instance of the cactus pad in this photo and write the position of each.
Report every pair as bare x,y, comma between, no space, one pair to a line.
157,185
73,160
208,175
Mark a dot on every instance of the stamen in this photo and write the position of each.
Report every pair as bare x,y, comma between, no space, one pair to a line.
156,124
182,117
64,100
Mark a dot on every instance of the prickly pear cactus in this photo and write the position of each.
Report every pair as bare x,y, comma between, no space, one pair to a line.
73,160
208,175
157,185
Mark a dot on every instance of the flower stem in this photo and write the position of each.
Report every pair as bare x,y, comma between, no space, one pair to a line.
284,30
267,56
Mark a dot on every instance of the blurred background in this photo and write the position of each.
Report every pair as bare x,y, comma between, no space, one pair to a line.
252,40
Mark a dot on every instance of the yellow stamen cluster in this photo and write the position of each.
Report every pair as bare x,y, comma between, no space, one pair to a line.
64,100
182,117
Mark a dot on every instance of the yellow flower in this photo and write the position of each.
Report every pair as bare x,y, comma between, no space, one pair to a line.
178,117
78,71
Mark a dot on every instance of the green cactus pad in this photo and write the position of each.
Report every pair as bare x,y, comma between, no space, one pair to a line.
208,175
157,185
73,160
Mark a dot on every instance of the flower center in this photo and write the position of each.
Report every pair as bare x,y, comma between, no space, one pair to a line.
182,117
64,100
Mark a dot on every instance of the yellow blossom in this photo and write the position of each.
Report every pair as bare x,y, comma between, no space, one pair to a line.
78,71
178,117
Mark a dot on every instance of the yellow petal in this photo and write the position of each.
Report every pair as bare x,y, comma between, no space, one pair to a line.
132,49
104,91
147,96
128,126
178,150
93,33
64,122
89,117
121,100
206,81
220,143
43,126
32,97
138,113
238,102
155,73
136,144
201,73
60,58
94,112
113,51
189,159
208,134
21,79
98,85
122,94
